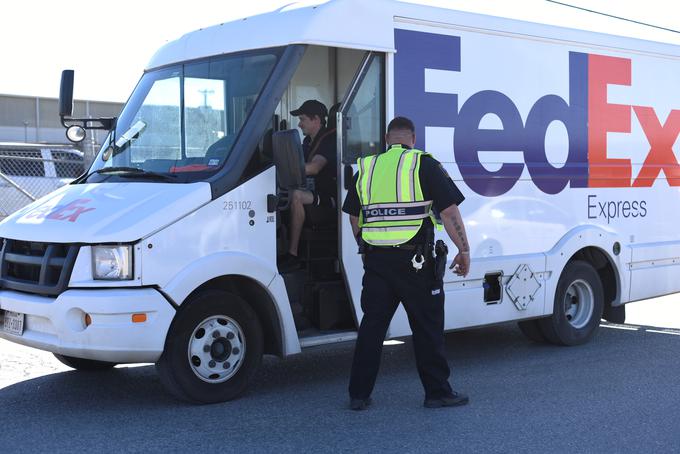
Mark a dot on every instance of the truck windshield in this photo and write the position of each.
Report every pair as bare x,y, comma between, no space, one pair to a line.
183,120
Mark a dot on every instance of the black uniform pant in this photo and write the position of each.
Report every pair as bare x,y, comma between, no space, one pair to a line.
389,278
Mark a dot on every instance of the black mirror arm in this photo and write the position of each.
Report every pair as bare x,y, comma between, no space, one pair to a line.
66,107
105,123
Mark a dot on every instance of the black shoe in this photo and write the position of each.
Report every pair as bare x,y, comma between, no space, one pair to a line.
289,262
455,399
360,404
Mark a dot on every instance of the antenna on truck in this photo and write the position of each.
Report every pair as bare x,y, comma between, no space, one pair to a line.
613,16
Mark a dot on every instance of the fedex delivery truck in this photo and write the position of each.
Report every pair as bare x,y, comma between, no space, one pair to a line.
564,143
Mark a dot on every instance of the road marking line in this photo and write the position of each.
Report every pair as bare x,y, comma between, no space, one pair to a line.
674,333
393,342
626,328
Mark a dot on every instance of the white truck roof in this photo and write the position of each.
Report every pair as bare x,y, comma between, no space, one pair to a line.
369,25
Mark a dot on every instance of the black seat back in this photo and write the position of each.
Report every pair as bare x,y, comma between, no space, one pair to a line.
333,116
288,159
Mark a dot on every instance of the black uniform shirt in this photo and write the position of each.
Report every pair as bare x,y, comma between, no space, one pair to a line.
325,182
435,184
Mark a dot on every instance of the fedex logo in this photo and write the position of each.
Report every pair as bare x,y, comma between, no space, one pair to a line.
586,115
68,212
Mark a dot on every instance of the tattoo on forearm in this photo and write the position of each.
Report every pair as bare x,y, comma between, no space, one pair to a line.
461,234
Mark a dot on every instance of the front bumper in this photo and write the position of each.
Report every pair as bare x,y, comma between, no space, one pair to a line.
58,324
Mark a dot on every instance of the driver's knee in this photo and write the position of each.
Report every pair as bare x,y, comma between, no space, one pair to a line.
296,199
300,198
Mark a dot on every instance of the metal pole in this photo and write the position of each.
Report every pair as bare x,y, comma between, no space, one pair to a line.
16,186
37,119
88,153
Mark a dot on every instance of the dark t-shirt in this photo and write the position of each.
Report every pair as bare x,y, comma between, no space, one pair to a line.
325,182
436,185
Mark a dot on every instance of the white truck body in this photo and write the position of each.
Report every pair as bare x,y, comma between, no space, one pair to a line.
563,141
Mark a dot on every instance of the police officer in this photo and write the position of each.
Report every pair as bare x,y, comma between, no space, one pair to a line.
391,210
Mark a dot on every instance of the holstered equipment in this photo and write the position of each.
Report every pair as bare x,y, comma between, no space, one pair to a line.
440,251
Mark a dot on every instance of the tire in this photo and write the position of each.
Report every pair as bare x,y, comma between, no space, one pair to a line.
84,364
532,330
579,301
213,348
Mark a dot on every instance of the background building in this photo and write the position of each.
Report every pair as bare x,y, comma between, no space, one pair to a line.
31,119
35,156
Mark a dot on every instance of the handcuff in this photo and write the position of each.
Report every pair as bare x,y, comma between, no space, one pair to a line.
418,264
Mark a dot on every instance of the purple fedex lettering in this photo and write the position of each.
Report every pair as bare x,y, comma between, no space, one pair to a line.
418,51
469,139
574,116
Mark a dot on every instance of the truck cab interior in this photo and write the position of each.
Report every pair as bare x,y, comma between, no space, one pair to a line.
187,122
351,83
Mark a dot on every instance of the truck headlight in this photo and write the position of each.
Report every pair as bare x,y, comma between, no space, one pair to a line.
112,262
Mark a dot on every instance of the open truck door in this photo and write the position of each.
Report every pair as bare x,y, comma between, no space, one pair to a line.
361,132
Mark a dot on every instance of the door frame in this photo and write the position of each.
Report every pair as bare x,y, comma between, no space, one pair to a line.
351,265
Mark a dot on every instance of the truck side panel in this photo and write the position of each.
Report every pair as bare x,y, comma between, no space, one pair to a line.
545,138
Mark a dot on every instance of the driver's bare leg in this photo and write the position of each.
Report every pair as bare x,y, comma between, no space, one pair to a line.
300,198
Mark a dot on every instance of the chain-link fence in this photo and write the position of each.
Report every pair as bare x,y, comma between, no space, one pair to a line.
28,172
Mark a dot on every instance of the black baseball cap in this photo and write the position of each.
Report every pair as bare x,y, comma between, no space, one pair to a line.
309,108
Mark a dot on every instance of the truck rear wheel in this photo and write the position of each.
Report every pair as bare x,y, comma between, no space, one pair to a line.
579,301
213,348
83,364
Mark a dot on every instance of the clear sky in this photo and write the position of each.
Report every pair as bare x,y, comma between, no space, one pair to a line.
109,46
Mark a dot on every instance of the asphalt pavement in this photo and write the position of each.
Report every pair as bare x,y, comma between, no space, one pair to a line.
619,393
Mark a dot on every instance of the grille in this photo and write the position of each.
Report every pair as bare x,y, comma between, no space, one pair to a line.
33,267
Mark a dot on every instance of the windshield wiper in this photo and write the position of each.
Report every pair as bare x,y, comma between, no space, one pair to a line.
134,172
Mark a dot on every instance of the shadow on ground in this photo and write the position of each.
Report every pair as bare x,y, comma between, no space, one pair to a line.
300,402
131,386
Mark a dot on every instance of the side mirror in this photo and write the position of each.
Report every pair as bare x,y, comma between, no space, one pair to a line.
75,133
66,93
76,127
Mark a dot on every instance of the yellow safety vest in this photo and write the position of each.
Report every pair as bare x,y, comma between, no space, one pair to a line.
392,204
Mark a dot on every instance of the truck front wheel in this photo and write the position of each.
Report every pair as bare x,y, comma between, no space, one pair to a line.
579,301
213,348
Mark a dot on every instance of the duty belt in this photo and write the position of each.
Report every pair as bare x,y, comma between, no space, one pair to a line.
402,247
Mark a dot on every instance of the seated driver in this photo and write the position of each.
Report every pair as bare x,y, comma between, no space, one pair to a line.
319,147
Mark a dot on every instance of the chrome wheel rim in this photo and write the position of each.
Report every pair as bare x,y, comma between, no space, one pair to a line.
579,302
217,349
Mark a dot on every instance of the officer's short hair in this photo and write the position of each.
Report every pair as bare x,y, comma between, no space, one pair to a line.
401,123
